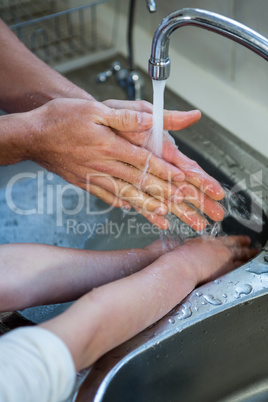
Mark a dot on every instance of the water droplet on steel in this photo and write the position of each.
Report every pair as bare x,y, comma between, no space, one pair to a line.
243,290
212,300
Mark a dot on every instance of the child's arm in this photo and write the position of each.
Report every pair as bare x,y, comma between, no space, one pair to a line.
113,313
35,274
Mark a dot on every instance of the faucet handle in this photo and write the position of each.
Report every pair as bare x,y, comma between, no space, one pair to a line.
151,5
105,75
130,81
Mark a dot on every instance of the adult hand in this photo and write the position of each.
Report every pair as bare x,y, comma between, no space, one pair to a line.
198,188
88,144
37,84
78,140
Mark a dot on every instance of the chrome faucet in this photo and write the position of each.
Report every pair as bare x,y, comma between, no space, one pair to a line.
151,5
159,63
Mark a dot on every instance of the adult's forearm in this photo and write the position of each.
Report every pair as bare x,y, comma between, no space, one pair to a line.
26,82
16,131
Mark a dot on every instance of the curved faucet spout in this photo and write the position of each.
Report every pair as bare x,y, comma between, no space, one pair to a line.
159,63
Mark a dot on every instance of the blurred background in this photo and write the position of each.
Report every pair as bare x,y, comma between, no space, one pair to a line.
223,79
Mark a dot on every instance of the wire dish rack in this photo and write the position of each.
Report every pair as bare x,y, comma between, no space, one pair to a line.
59,33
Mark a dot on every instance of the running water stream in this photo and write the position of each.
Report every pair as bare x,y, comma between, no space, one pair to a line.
158,119
169,237
230,204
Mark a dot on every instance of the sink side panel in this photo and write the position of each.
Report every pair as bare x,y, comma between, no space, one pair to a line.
205,362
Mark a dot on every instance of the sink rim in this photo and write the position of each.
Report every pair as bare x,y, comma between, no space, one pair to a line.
102,374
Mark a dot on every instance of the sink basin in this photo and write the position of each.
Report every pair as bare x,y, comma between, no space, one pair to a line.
216,358
212,346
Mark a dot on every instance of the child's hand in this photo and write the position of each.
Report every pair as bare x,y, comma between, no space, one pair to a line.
120,309
210,258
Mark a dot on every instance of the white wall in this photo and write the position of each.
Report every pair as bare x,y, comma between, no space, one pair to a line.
222,78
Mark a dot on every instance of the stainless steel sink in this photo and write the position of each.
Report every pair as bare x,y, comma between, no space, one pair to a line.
217,354
212,347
